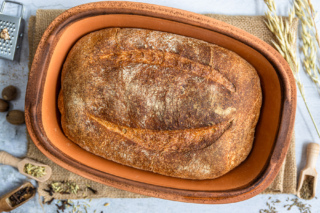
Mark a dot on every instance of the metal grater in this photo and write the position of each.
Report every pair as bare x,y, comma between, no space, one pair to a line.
10,49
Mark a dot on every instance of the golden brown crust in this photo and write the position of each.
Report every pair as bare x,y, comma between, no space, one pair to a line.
160,102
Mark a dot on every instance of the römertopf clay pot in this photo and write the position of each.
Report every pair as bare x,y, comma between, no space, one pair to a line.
273,132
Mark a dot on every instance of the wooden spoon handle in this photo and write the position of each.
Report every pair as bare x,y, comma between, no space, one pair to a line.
312,154
7,159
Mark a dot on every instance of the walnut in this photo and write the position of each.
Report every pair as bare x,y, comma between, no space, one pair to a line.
5,34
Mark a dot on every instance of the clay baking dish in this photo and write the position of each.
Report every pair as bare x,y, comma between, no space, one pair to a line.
273,132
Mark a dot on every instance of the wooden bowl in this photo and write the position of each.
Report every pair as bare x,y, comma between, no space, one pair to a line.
273,132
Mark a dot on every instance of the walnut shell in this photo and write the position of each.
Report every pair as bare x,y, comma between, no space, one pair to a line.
9,93
4,106
15,117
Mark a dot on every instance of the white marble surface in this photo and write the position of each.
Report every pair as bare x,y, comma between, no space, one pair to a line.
13,140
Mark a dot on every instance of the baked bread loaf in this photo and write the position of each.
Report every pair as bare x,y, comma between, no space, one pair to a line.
160,102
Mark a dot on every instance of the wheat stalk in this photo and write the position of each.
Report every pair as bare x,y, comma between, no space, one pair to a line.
285,43
313,17
310,38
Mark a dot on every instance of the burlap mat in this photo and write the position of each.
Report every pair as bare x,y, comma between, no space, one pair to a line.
285,181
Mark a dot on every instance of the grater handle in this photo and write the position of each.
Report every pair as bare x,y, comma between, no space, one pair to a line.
13,2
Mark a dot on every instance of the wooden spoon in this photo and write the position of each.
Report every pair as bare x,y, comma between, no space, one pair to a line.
310,168
5,203
6,158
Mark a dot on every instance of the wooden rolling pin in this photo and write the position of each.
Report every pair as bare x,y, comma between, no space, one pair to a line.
17,197
7,159
309,175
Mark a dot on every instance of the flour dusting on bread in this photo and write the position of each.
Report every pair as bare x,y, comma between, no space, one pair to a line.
160,102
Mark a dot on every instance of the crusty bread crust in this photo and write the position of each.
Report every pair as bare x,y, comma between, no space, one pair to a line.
160,102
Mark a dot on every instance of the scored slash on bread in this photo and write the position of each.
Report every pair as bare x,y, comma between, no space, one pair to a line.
167,59
168,141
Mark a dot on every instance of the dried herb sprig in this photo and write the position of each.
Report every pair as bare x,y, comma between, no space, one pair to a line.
285,45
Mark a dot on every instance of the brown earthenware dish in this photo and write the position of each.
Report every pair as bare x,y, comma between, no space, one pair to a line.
273,132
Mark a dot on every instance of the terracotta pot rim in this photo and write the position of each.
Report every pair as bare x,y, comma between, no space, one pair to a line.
33,100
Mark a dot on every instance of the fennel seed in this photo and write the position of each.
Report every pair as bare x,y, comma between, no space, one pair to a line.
35,171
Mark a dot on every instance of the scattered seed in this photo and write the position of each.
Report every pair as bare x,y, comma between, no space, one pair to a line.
50,201
306,191
50,192
92,190
35,171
